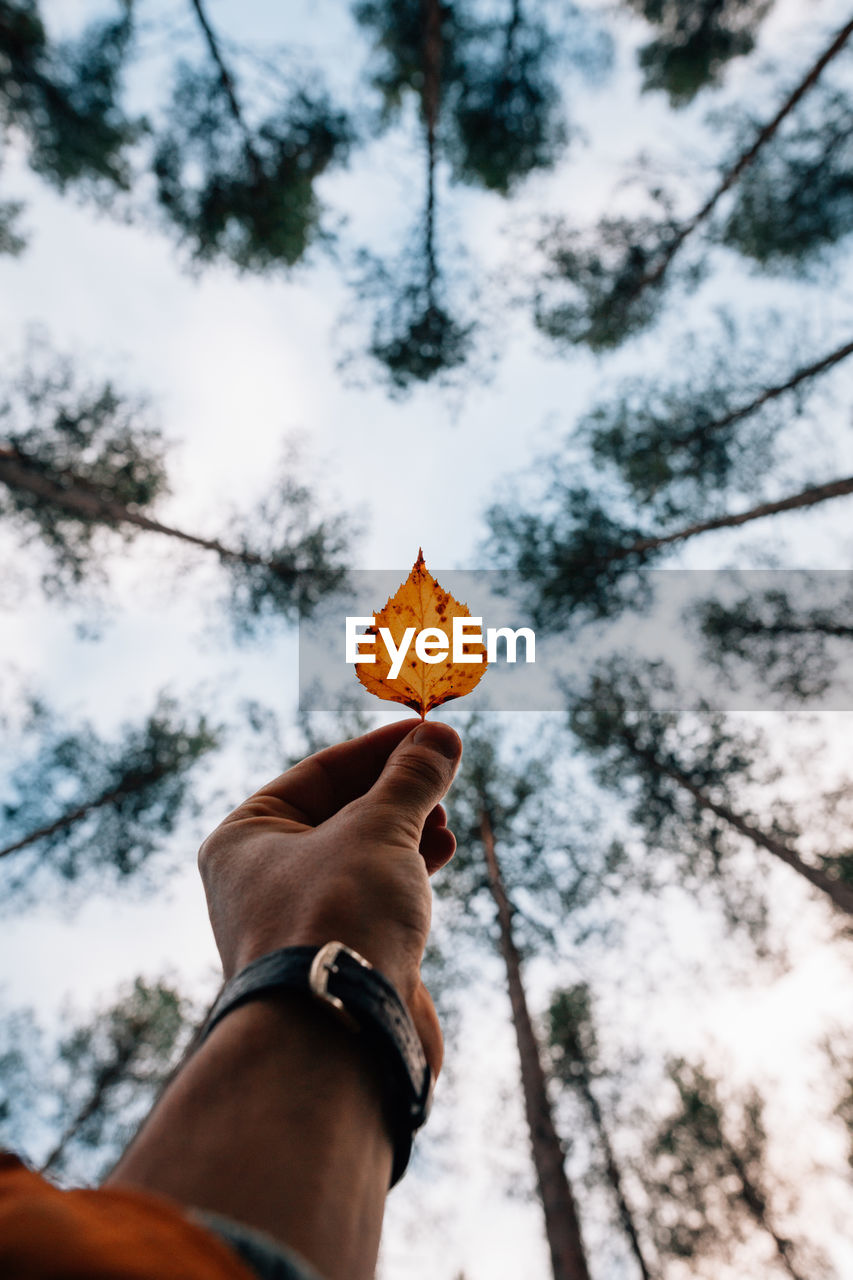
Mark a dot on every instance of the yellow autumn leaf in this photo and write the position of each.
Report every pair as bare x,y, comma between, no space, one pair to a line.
420,605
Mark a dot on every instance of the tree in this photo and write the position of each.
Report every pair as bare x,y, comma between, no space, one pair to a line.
81,811
683,780
512,846
498,103
603,286
237,191
505,104
64,99
793,204
791,637
234,187
78,464
696,41
711,426
414,336
100,1079
709,1178
575,1062
490,106
575,558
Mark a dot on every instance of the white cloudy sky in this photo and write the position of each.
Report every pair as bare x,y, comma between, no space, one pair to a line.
235,365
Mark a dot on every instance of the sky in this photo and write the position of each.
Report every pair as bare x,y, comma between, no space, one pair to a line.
236,366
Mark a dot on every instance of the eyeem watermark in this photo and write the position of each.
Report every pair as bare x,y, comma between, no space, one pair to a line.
432,644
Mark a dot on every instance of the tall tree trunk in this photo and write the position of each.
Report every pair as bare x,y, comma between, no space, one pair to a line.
782,630
67,819
562,1226
107,1078
840,893
798,501
226,81
757,1206
764,397
744,160
77,497
583,1083
431,105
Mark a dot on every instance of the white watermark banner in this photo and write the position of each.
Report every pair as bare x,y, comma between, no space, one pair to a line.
741,639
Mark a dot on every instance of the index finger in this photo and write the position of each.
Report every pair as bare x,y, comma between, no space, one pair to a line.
322,784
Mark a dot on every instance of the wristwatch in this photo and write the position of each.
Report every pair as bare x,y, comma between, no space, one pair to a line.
369,1005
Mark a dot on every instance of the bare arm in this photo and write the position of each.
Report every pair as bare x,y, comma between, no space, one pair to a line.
277,1121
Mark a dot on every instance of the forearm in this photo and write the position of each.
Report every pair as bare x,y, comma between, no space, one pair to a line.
276,1121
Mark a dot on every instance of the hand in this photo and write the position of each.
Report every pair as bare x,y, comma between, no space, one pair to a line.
341,846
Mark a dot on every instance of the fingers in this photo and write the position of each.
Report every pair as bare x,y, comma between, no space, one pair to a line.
438,843
417,774
322,784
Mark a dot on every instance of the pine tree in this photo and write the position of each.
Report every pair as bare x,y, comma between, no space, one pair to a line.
513,844
489,105
575,1061
696,41
505,104
64,99
240,190
414,335
78,464
83,812
576,558
97,1082
684,783
602,286
680,440
233,186
709,1180
793,638
794,204
497,99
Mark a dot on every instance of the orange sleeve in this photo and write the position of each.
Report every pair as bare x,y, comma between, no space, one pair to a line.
50,1234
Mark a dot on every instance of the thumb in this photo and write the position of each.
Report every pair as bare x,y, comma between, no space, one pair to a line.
417,774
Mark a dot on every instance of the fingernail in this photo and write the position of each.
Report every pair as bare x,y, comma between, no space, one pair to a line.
438,737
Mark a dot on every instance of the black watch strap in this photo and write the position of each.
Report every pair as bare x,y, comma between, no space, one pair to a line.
369,1004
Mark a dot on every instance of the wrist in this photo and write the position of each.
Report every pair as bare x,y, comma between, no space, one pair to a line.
389,957
349,988
280,1091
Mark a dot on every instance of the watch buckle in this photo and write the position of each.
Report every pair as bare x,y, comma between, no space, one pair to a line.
323,966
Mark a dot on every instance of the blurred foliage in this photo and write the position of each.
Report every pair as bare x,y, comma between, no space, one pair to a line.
577,555
707,1174
697,39
81,813
794,203
414,335
283,555
65,98
95,1083
792,638
499,99
629,721
77,462
85,438
711,424
601,287
247,196
21,1048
